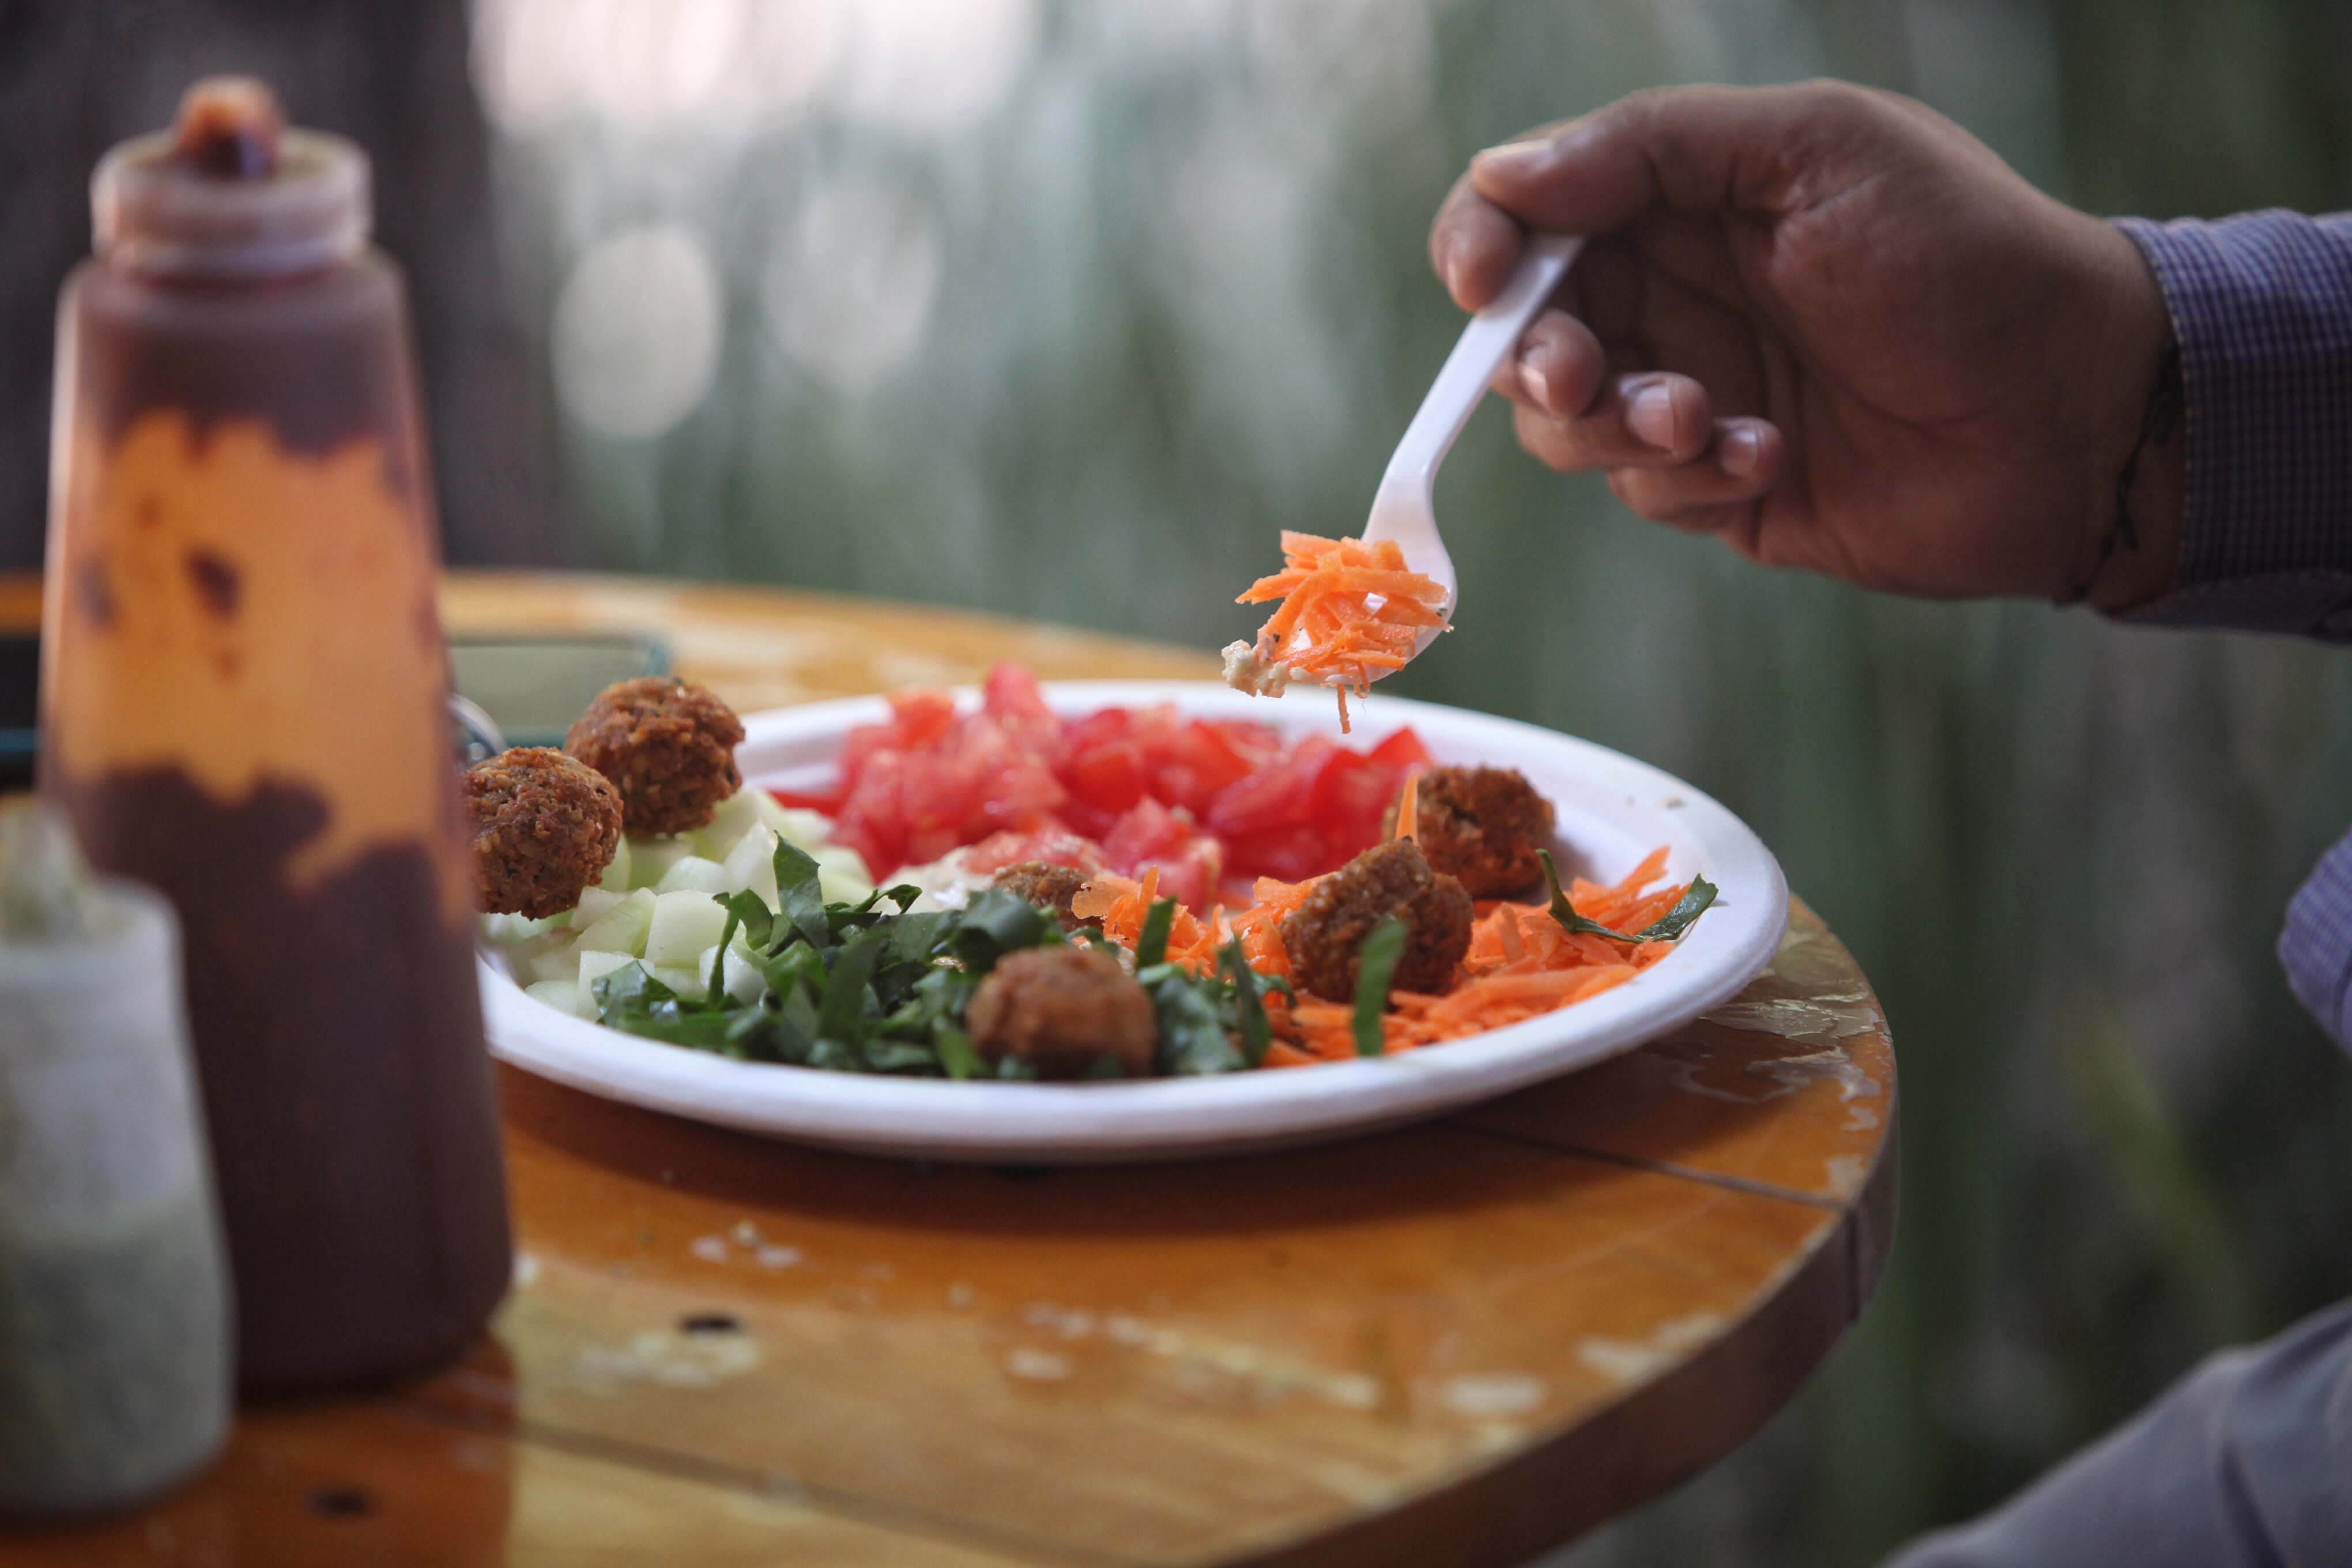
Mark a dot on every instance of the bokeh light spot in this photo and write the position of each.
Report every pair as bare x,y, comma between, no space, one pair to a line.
848,293
636,332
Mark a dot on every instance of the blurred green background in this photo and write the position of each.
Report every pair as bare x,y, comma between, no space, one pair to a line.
1063,308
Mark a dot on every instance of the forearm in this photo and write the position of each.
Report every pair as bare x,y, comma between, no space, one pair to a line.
2262,310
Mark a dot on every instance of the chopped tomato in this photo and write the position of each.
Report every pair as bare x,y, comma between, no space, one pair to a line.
828,802
1011,698
1202,799
1291,854
1053,845
1191,862
1193,762
1401,751
1109,776
920,714
1349,801
1280,792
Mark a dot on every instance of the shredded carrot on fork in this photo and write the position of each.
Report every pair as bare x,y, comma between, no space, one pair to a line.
1349,612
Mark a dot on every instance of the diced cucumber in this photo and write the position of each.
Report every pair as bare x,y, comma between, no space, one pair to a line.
680,978
684,924
524,953
616,870
595,966
622,927
738,811
561,962
508,929
694,875
752,864
649,859
744,981
594,904
561,994
841,873
794,825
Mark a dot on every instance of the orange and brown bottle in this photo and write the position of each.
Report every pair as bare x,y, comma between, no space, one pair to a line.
243,703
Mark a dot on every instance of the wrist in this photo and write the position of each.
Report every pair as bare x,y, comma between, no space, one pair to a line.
2129,543
2135,559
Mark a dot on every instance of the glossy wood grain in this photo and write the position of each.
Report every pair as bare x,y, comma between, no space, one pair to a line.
1457,1343
765,648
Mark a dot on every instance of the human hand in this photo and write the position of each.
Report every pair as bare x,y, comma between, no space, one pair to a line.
1829,325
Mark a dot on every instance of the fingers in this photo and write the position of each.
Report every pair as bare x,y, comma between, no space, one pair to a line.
1689,150
1693,151
1646,420
1473,245
1558,368
1685,150
1713,491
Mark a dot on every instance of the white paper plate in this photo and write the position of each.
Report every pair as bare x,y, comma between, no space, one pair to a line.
1612,810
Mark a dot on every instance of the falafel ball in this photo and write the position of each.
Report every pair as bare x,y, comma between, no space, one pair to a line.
543,827
666,744
1043,884
1324,935
1062,1010
1481,825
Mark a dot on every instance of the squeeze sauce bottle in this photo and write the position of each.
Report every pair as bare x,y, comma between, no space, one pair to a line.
243,694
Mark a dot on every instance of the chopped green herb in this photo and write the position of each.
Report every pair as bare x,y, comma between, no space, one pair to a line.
1194,1036
799,895
743,910
870,987
1688,908
1376,964
1677,921
842,1014
866,987
1151,942
752,915
994,923
1249,1006
956,1052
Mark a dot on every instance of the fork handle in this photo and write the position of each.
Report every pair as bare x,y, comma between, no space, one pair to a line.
1491,335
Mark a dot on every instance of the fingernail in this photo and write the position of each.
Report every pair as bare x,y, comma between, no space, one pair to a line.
1516,160
1649,415
1539,388
1740,451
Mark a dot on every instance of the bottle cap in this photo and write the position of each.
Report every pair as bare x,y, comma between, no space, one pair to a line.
229,193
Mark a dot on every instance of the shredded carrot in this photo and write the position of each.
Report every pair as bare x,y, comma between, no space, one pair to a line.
1409,809
1520,965
1122,906
1350,611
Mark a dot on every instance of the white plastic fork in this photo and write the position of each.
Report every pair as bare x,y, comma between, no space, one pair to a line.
1404,507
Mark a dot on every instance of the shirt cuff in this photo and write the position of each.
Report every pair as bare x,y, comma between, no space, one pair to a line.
2261,308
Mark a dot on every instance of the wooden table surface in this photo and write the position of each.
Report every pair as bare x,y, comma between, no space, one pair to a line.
1462,1342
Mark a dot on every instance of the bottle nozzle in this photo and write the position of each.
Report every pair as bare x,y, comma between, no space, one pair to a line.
228,127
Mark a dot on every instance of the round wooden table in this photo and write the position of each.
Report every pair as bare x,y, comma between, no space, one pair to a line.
1463,1342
